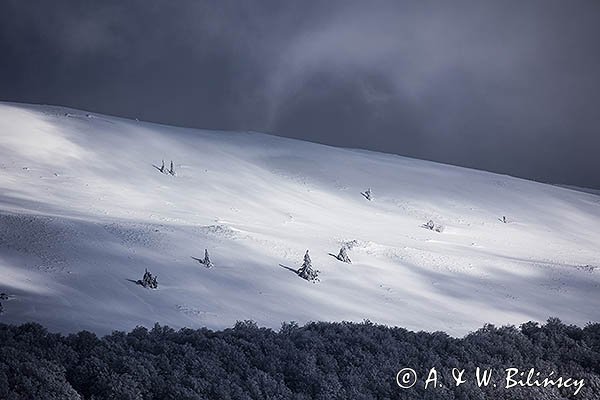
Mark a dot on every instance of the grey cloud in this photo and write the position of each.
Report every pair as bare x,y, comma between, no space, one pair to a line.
508,86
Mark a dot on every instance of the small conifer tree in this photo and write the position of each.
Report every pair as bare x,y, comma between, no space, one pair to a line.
306,271
343,255
206,260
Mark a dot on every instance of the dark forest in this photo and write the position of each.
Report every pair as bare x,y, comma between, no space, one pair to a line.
320,360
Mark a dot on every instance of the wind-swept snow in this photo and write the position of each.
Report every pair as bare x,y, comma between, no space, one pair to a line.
83,213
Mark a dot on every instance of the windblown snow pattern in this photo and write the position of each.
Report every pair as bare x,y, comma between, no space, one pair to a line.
84,212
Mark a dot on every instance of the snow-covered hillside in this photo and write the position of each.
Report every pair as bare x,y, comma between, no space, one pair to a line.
83,213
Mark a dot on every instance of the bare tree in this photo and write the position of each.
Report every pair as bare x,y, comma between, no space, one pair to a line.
206,260
368,195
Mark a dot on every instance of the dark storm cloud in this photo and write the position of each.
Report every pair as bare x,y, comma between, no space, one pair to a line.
510,86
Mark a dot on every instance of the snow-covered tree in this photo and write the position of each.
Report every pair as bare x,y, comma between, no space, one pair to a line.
343,255
306,271
172,170
433,226
148,281
504,219
368,195
162,167
206,261
146,278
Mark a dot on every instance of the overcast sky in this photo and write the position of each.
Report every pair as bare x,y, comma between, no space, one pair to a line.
506,86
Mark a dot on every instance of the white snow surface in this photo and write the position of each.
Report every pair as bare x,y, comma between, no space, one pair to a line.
83,213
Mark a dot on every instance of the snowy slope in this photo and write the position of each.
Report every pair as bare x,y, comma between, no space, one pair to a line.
83,212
